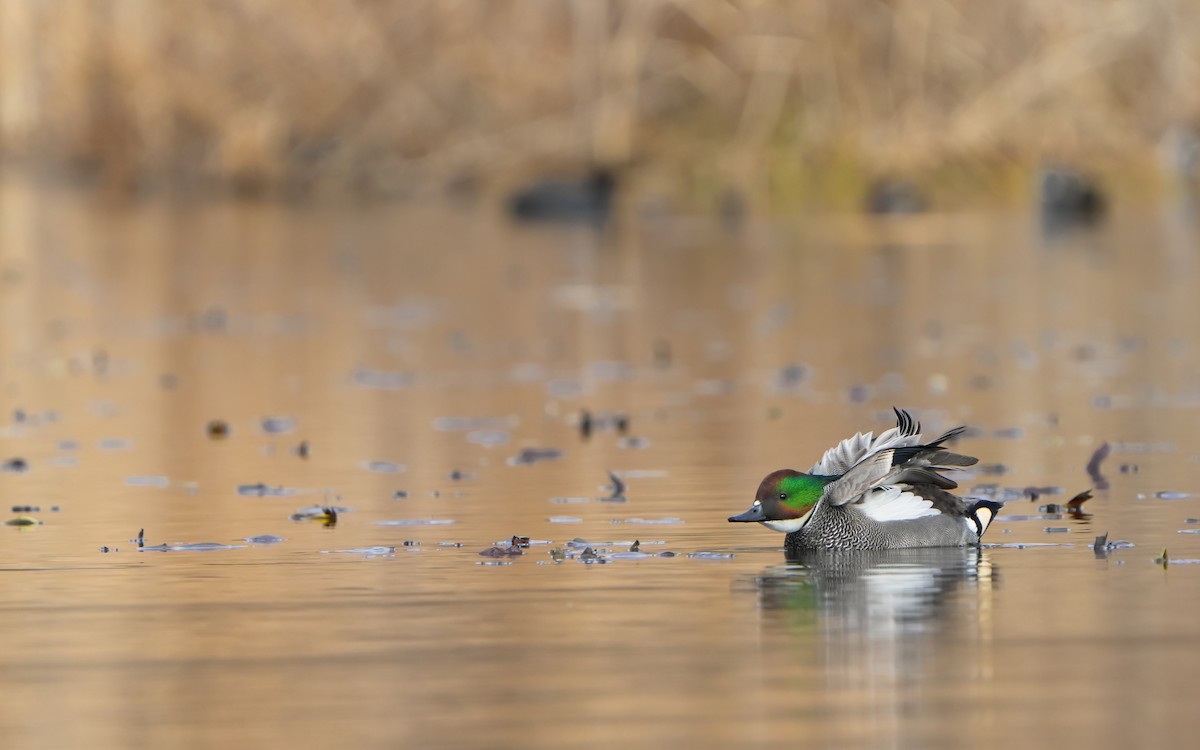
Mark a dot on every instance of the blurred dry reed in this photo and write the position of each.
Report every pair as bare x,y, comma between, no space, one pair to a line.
779,97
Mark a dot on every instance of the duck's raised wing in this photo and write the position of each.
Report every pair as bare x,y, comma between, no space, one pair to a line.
853,450
894,483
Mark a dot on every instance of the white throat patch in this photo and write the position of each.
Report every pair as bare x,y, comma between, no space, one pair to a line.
787,526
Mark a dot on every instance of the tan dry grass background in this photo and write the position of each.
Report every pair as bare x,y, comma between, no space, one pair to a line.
792,99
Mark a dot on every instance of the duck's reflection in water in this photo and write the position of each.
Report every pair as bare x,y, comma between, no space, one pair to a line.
881,629
879,593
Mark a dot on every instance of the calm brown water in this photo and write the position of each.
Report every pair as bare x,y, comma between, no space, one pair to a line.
127,330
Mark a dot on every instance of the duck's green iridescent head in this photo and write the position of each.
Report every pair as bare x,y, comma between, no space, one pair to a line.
784,500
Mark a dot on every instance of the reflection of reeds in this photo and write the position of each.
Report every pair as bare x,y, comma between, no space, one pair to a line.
396,95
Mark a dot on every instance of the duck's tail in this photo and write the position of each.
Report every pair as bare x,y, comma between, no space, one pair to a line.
981,514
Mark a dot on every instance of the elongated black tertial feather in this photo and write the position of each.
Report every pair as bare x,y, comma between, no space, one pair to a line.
922,475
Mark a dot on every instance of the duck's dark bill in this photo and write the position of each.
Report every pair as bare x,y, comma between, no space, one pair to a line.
754,514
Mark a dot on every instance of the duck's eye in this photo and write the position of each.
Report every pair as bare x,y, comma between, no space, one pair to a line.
783,496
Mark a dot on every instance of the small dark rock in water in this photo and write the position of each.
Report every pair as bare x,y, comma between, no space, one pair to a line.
895,197
302,449
529,456
1067,197
106,549
1051,508
662,354
399,494
458,475
790,376
411,543
981,382
588,199
213,320
217,429
498,551
732,209
15,465
1130,468
26,509
263,490
265,539
590,423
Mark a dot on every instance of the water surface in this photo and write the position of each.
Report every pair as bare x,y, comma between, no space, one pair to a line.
423,370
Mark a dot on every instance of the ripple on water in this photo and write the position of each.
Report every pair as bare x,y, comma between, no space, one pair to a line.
488,438
382,467
1026,545
191,547
148,481
264,490
377,551
381,380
